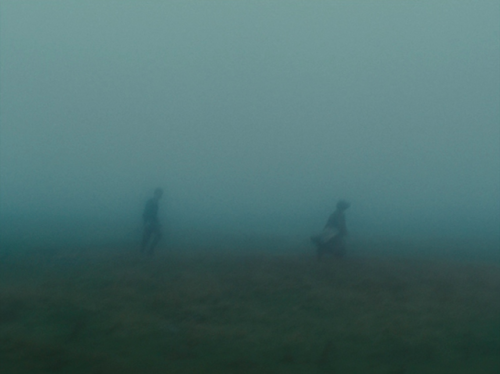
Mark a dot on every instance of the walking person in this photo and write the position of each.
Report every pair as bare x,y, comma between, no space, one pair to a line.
332,238
152,227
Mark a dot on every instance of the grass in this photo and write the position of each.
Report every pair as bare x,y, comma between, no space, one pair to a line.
94,310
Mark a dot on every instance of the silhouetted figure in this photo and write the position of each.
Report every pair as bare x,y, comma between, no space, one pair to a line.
152,227
332,238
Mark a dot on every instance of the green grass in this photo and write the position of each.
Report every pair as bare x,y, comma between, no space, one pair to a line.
113,311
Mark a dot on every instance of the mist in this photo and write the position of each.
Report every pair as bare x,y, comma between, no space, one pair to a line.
253,116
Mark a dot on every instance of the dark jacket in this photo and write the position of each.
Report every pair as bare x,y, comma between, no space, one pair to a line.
337,221
150,214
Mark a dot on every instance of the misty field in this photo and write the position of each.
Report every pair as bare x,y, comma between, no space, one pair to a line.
98,310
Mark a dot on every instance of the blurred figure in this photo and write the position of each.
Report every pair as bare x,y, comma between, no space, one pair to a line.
152,227
332,238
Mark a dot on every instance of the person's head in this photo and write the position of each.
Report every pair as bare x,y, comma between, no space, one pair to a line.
343,205
158,193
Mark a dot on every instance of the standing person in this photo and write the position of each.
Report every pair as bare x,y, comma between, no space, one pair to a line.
332,238
152,225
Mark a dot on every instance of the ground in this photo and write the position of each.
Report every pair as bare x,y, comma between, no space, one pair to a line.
110,310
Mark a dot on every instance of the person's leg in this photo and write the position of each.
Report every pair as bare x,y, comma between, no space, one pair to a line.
342,249
339,248
156,238
320,251
316,240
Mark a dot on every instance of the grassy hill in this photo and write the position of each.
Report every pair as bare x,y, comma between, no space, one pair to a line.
109,310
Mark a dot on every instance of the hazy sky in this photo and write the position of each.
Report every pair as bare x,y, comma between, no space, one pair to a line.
250,111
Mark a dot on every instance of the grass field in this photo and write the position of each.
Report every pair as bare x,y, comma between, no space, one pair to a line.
109,310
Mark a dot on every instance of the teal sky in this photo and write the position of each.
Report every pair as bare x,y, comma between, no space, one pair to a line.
255,111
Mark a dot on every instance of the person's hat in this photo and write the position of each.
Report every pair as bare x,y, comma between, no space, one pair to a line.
343,205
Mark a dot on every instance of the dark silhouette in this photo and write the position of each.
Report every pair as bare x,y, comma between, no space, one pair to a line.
152,227
332,239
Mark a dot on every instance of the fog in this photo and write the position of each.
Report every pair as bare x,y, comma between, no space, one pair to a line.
253,116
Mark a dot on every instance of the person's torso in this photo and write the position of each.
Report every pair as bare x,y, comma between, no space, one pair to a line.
151,211
337,221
